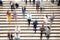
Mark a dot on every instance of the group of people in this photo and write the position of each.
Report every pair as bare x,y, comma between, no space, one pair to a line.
44,27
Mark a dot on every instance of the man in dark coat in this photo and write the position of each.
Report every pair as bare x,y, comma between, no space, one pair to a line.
35,25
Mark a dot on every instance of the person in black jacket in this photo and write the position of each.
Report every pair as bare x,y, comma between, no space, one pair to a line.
35,25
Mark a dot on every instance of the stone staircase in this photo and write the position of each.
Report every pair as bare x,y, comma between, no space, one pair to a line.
27,32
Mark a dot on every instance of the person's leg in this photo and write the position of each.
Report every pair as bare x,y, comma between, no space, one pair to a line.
29,22
41,36
35,30
48,37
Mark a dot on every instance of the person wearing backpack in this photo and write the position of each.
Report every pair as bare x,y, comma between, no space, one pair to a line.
35,22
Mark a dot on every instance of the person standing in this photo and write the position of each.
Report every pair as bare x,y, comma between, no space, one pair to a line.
35,25
29,17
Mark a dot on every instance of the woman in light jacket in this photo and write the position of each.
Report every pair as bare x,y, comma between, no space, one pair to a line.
17,33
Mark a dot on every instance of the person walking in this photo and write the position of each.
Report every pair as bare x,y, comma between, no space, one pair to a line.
10,36
52,18
23,10
29,17
35,25
17,31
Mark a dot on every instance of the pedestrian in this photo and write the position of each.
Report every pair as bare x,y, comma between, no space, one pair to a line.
14,16
29,17
35,25
23,10
41,5
42,29
37,6
10,36
47,32
9,16
45,21
17,33
52,18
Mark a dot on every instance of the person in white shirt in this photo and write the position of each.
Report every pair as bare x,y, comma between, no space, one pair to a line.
45,21
29,17
47,32
41,5
17,33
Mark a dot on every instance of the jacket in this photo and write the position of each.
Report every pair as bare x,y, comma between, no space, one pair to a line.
35,23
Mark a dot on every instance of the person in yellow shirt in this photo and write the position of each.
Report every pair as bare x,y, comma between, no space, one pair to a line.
9,16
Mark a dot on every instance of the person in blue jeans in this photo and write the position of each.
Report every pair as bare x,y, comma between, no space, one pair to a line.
35,25
23,10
